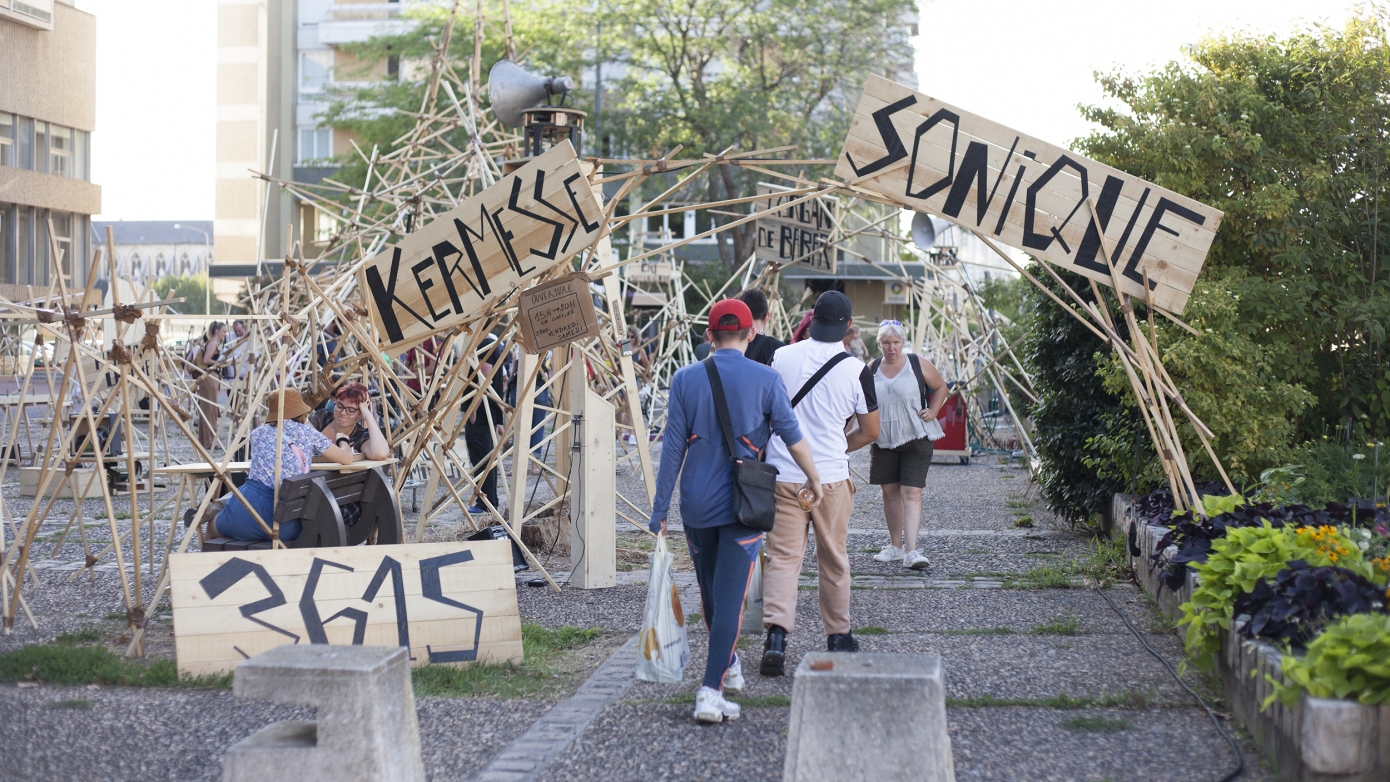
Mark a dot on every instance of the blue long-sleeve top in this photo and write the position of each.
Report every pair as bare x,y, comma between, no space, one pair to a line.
693,446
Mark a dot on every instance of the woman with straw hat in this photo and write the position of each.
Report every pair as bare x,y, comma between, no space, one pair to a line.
298,445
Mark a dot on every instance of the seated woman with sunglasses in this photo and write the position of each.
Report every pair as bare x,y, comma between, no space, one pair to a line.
352,423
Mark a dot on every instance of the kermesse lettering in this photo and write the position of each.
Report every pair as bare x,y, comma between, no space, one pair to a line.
464,259
1002,184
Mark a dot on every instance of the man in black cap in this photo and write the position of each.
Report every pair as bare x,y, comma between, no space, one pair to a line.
828,388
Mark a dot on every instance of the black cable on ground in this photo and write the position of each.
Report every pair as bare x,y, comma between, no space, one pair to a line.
1215,720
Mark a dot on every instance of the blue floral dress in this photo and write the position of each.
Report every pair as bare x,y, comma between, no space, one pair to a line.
301,443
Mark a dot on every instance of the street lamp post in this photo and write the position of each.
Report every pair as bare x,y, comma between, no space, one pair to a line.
207,265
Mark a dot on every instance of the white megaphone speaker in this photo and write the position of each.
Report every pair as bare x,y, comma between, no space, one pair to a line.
926,229
513,90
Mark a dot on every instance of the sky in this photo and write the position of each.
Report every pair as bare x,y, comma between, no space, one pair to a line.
1023,63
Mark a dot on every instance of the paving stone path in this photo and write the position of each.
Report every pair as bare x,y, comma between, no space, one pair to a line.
1020,635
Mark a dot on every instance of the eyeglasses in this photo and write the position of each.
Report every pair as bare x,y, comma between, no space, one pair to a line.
883,323
347,410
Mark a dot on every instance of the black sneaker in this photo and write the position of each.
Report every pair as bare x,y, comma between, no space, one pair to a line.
841,642
774,652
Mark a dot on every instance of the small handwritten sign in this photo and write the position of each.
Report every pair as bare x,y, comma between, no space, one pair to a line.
801,235
556,312
445,602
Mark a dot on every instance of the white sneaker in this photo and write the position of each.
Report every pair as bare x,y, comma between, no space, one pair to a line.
890,554
710,706
915,560
733,678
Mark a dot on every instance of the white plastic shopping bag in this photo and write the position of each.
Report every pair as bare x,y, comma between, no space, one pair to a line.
663,644
753,602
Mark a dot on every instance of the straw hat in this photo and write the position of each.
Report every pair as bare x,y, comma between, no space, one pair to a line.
294,405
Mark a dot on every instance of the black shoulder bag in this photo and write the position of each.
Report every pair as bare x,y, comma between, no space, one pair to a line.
816,378
755,481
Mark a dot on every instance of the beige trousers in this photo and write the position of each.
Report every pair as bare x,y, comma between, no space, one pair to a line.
208,409
786,548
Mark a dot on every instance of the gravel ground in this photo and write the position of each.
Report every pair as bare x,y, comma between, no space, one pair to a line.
971,528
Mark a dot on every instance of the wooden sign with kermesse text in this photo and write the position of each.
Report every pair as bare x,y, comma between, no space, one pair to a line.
998,183
445,602
452,269
556,312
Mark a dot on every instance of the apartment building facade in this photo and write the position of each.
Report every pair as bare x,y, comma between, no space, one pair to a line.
47,116
276,62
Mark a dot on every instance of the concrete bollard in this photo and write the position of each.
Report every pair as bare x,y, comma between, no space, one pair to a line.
366,728
869,717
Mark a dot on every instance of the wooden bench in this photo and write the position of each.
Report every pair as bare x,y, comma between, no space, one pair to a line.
317,501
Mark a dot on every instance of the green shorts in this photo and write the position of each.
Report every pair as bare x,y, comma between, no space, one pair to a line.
907,464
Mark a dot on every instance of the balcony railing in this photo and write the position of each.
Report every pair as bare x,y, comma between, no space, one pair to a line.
362,12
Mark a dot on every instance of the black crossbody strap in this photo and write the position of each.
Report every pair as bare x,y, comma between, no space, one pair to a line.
921,381
721,407
816,378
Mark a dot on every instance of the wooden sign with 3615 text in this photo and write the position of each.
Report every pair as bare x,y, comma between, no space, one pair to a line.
445,602
928,156
452,269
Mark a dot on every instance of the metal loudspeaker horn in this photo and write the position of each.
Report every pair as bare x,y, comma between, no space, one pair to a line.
512,90
926,229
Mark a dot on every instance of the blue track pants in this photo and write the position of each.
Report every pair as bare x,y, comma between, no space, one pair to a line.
723,558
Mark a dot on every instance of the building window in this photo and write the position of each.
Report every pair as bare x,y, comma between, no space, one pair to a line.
315,70
393,67
81,154
315,144
24,143
326,226
6,139
41,147
60,151
62,237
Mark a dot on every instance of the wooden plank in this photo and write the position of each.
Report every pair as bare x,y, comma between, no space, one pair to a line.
802,233
465,259
230,605
1005,185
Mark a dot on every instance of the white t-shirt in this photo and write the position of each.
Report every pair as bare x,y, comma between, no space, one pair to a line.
846,389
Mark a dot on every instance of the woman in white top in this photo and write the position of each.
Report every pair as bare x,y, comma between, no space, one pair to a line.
898,461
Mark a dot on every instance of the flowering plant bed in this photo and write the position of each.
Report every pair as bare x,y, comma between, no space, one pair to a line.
1331,587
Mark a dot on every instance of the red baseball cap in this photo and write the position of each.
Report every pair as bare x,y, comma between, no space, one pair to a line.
730,307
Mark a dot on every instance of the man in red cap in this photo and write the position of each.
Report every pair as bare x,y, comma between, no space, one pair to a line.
693,449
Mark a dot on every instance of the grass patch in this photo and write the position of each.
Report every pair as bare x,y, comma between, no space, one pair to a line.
1103,564
1128,699
691,619
122,514
536,676
980,631
990,575
977,551
71,703
809,586
67,663
1067,625
746,642
745,701
83,636
1042,554
870,550
873,630
1096,724
1023,522
1020,504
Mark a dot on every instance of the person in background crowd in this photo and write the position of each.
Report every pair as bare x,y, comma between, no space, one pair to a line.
208,385
803,329
762,347
352,423
328,348
899,459
702,349
298,446
483,428
722,549
830,387
855,344
240,349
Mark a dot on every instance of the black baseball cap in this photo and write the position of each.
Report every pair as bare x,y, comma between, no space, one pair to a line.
831,317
